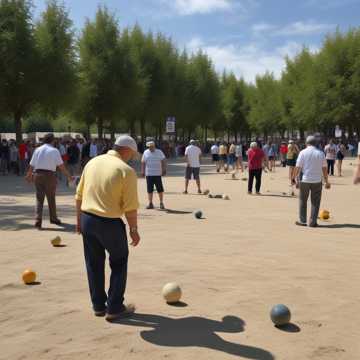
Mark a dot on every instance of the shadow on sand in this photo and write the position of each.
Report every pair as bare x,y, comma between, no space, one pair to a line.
340,226
195,332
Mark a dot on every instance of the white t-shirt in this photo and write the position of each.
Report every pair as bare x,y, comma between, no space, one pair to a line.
238,151
46,157
152,160
311,161
330,151
193,153
214,150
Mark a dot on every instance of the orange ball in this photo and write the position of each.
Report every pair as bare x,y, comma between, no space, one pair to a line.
29,276
324,215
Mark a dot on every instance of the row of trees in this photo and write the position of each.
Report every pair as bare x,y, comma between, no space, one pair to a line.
127,80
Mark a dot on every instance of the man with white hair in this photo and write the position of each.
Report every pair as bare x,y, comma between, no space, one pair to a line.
192,155
313,166
107,191
153,166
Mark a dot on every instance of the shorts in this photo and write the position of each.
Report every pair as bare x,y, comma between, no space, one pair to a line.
223,157
156,181
340,156
271,158
215,157
195,172
232,159
291,162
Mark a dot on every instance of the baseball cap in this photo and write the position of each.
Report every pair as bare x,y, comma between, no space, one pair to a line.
150,143
126,141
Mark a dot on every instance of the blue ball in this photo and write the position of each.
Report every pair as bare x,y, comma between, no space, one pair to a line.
280,315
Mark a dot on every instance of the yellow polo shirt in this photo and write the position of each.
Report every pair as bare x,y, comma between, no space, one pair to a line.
108,187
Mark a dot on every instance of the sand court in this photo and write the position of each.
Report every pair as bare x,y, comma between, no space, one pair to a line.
243,257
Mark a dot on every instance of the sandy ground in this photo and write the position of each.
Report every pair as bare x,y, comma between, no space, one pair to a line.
244,257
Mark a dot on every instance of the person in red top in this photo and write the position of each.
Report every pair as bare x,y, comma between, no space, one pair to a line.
256,157
283,152
22,158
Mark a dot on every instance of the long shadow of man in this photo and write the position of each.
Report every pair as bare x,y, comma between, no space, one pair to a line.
196,332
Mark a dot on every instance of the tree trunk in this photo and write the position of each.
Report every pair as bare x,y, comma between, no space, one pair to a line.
18,127
100,126
206,134
142,130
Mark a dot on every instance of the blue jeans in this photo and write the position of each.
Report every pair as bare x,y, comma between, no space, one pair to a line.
100,234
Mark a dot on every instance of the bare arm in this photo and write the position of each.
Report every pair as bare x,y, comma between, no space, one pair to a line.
64,171
357,173
131,218
163,167
143,168
29,175
78,216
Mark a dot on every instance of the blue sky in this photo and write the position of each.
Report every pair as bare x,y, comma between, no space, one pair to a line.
247,37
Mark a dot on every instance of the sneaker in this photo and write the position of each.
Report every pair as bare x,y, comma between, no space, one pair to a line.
150,206
128,311
299,223
258,193
249,193
162,206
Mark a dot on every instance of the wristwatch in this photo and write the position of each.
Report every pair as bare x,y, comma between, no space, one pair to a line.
133,229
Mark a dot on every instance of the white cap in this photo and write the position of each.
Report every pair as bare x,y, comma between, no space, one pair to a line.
126,141
150,143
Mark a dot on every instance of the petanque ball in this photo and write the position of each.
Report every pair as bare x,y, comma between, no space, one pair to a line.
206,192
210,196
226,197
280,315
198,214
56,241
324,215
29,276
172,293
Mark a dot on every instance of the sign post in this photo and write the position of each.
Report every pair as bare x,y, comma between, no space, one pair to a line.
171,125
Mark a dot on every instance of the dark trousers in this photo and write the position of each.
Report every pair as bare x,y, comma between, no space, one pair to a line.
255,174
331,164
45,185
100,234
316,191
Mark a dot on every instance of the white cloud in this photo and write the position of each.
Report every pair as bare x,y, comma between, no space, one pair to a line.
304,28
189,7
247,61
298,28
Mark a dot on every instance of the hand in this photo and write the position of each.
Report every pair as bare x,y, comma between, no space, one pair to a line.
78,225
29,177
327,185
135,237
356,180
142,175
164,173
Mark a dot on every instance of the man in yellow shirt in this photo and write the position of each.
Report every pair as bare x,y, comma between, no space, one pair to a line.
107,191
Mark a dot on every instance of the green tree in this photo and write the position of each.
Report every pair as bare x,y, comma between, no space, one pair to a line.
19,62
54,37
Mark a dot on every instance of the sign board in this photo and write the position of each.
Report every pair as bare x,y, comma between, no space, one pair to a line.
170,125
338,132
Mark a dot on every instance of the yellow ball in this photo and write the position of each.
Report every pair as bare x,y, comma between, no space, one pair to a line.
324,215
29,276
56,241
172,293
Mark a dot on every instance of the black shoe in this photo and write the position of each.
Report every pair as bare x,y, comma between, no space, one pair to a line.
313,225
101,313
38,225
56,222
299,223
128,311
162,206
150,206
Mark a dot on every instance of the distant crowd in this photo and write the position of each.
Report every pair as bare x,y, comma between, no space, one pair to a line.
77,152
